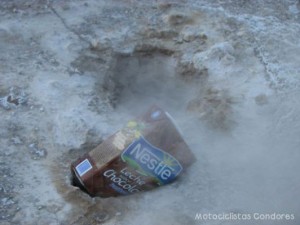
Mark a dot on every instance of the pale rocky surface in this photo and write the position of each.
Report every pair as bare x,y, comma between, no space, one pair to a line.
73,72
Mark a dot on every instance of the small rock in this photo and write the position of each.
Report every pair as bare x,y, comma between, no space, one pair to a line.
16,140
222,53
31,145
189,37
95,44
15,98
7,202
36,152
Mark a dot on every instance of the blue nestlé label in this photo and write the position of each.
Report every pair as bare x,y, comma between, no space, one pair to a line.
151,161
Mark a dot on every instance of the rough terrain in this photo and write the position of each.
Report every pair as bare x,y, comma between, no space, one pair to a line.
73,72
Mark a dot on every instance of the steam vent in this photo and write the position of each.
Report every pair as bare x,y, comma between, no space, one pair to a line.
223,147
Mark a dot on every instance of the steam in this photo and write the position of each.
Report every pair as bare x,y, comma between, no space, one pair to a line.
245,168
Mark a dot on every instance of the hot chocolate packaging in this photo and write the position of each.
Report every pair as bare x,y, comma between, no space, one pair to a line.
147,153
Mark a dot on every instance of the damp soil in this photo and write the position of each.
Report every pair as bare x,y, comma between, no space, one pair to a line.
72,73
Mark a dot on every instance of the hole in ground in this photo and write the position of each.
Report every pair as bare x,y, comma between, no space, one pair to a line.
150,76
132,83
139,80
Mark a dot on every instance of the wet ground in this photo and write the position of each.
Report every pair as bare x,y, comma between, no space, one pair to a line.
73,72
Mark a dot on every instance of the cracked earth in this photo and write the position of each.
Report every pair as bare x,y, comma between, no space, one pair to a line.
73,72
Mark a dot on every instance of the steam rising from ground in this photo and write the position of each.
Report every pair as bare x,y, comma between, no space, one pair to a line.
244,163
228,75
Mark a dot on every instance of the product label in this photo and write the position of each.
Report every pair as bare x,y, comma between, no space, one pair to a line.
151,161
124,181
83,167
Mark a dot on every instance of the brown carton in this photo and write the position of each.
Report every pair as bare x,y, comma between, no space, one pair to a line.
148,152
